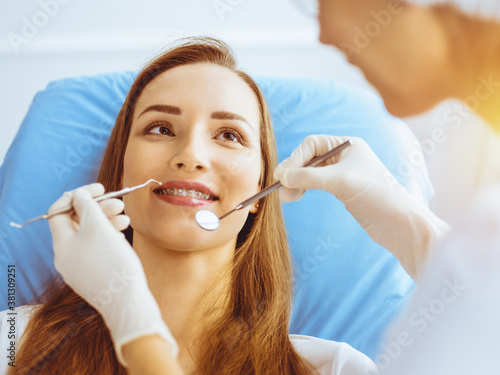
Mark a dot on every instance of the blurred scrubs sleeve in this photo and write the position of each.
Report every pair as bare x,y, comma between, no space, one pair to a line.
453,323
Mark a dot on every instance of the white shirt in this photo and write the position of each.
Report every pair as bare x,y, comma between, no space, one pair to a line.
329,357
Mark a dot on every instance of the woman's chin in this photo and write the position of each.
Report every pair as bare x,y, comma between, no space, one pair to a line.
183,235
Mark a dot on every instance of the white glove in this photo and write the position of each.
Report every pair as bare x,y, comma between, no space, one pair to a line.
98,263
385,209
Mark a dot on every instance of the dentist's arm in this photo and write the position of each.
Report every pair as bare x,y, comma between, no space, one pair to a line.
95,259
384,208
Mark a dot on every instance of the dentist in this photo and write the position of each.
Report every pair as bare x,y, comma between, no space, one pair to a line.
415,55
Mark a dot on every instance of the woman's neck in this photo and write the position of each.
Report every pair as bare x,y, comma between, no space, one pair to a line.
475,46
186,284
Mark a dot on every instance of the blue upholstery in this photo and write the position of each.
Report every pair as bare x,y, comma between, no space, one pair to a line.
347,287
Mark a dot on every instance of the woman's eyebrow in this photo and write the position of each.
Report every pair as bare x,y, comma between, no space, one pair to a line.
162,108
223,115
218,115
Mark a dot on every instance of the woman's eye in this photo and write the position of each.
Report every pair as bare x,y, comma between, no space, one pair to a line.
161,129
230,135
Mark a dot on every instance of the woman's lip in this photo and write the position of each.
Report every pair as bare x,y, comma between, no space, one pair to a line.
183,201
188,185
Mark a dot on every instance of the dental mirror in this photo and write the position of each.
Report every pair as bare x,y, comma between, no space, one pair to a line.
208,220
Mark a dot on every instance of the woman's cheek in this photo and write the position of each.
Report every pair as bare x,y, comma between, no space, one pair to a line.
237,164
142,163
249,178
136,170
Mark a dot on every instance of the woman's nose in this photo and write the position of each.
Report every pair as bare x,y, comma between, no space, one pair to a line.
191,156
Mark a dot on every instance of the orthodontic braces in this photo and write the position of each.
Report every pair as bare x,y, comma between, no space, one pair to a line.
186,193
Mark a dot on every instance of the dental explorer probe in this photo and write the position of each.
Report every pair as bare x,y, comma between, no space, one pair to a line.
111,194
209,220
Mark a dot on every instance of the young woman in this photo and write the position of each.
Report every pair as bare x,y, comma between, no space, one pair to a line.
200,126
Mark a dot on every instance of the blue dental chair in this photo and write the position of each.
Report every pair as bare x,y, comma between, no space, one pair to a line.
347,287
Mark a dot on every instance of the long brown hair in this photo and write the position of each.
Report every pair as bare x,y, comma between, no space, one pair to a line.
66,335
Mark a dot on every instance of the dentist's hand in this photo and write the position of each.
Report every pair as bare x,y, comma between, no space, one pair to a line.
385,209
99,264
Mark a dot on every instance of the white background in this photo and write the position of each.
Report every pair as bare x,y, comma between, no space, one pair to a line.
77,37
88,37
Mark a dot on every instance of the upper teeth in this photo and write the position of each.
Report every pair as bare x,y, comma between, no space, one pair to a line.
185,193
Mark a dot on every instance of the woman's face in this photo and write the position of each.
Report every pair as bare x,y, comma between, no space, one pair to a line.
195,128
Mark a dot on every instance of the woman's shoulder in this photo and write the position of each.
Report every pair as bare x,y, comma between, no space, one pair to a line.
12,325
333,358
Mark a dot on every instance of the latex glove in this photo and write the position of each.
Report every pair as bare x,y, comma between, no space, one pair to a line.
384,208
99,264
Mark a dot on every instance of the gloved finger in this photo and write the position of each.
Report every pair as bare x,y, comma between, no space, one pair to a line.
112,207
75,221
300,156
290,195
65,200
311,177
280,169
311,146
120,222
88,210
61,224
96,189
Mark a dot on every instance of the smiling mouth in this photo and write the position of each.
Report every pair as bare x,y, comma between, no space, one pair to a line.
190,193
